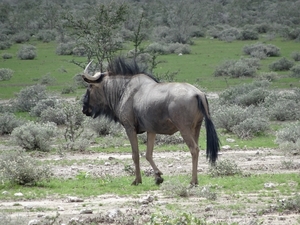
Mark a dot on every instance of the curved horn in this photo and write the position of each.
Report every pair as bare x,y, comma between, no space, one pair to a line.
96,76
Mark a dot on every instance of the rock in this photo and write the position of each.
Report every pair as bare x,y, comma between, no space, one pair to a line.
59,208
114,213
269,185
5,192
107,163
208,208
86,211
230,140
18,194
146,200
74,199
226,147
34,222
170,165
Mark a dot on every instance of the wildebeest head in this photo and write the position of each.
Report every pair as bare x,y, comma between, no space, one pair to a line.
94,101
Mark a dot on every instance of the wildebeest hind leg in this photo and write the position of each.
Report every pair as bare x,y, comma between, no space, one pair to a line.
135,155
194,149
149,157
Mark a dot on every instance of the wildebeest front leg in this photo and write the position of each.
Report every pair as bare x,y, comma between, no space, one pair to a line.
135,155
149,157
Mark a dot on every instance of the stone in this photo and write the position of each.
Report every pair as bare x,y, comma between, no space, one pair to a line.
5,192
86,211
34,222
18,194
230,140
114,213
74,199
226,147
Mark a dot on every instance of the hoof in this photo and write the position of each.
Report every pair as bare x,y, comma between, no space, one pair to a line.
159,180
135,183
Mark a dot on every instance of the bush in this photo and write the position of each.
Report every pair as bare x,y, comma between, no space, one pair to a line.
245,67
65,48
246,94
8,122
27,52
269,76
178,48
47,80
79,82
268,50
251,127
285,109
288,137
34,136
68,89
6,55
281,64
19,168
103,127
5,45
6,74
294,34
157,48
224,168
21,37
46,35
41,106
54,115
296,56
28,97
248,35
229,34
295,71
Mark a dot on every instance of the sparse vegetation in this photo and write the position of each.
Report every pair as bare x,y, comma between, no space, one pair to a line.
224,168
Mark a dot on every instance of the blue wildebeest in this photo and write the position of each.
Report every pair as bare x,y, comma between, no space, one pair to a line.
127,94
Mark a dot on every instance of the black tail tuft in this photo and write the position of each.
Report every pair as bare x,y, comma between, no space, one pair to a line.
212,139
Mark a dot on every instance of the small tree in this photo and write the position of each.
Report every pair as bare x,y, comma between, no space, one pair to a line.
98,34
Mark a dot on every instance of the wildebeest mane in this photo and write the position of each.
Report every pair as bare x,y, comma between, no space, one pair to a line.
121,66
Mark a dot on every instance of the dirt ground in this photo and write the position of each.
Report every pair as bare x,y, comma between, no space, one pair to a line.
238,208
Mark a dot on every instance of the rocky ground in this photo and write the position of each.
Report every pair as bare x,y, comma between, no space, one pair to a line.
106,209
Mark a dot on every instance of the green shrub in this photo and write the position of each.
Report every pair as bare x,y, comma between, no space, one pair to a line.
182,219
269,76
34,136
65,48
6,55
46,35
178,48
79,82
285,109
295,71
245,122
19,168
294,34
54,115
27,52
288,137
251,127
41,106
229,34
246,94
8,122
103,127
267,49
163,139
296,56
281,64
292,203
28,97
47,80
245,67
248,35
224,168
21,37
5,45
68,89
157,48
6,74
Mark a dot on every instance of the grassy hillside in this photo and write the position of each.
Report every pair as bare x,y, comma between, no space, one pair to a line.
196,67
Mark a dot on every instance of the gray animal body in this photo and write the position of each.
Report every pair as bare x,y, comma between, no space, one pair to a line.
128,95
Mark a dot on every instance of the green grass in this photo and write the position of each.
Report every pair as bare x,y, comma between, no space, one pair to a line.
197,67
88,187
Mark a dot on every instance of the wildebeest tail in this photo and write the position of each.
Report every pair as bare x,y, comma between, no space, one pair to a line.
212,140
